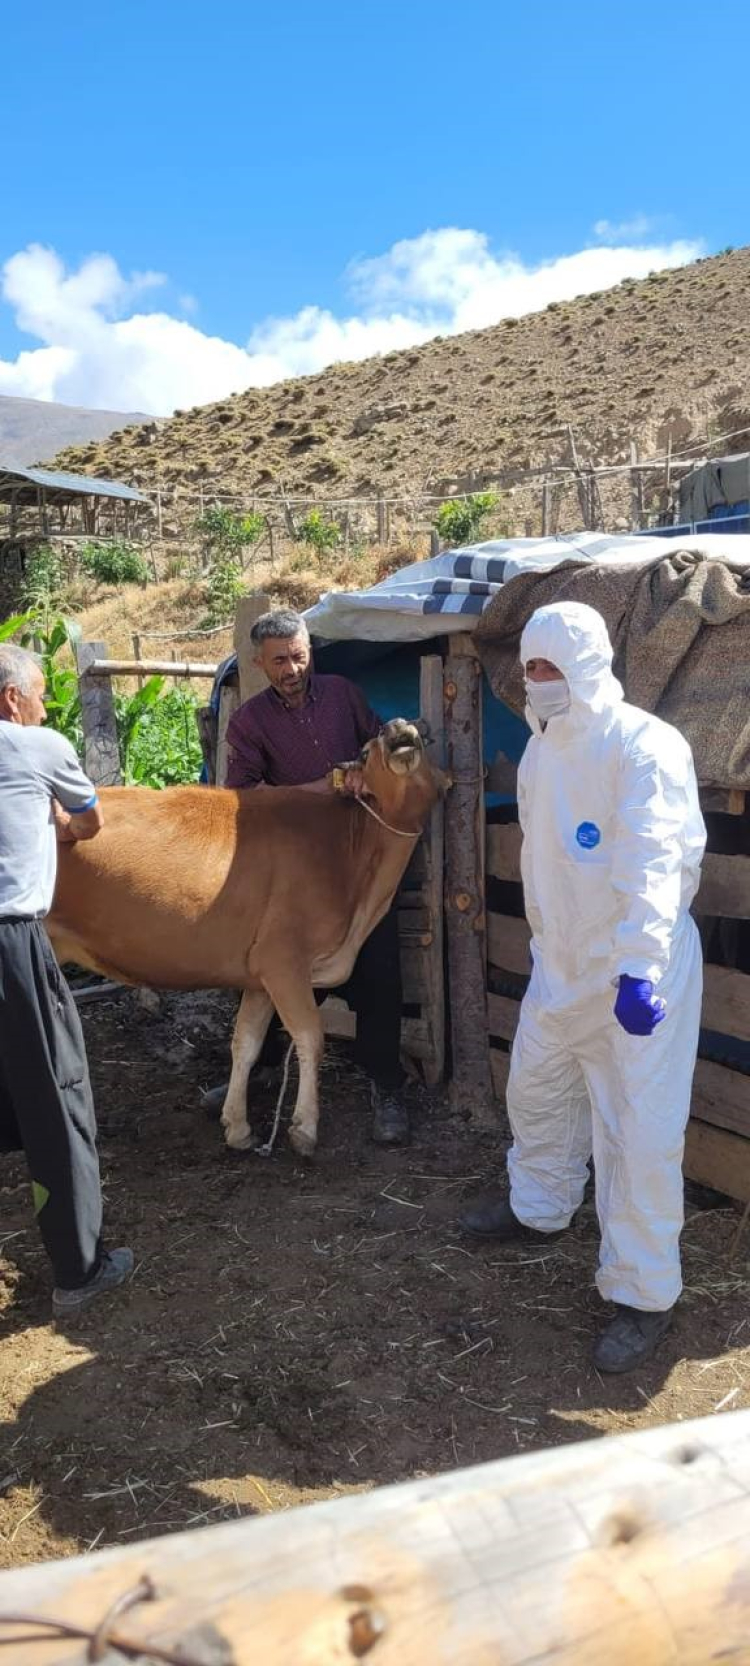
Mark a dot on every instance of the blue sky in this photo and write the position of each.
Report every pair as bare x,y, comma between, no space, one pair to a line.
249,155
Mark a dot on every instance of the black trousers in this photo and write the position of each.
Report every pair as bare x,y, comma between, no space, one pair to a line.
46,1106
375,993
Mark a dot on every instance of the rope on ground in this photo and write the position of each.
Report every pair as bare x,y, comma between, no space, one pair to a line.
265,1150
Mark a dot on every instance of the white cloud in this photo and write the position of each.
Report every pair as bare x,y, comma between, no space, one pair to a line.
98,349
620,231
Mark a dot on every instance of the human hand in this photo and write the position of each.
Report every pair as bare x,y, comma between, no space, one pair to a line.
63,824
348,780
637,1008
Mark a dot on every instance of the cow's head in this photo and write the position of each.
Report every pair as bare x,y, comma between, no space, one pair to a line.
397,773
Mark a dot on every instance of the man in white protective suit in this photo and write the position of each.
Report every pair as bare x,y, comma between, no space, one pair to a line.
605,1050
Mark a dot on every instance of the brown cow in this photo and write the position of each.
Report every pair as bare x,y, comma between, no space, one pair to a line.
272,891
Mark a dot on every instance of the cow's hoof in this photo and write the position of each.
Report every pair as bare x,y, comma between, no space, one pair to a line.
302,1142
239,1139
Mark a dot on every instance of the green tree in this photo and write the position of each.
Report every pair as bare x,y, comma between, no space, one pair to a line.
115,563
225,536
319,533
459,520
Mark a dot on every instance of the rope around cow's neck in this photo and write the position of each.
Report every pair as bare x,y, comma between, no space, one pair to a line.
386,824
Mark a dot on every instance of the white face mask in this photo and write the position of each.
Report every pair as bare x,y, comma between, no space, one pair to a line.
549,699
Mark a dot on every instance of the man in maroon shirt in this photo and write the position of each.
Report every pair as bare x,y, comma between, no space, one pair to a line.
292,735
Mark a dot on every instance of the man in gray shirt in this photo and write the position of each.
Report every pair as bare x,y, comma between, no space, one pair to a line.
46,1107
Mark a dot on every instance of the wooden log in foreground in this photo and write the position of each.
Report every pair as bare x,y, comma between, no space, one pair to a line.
629,1551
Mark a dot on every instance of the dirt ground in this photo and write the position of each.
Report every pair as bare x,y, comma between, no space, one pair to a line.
296,1332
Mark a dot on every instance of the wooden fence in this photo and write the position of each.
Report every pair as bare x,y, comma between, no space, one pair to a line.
630,1550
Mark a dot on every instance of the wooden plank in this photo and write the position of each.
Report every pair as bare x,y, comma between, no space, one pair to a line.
471,1087
721,1097
249,608
725,887
714,1157
431,708
105,668
101,748
503,1014
726,1001
504,851
728,801
229,700
508,942
415,977
416,872
500,1067
631,1549
338,1019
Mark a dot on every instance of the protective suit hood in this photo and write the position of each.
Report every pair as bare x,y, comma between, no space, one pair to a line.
575,639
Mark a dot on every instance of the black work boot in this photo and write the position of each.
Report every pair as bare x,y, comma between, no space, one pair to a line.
492,1217
212,1103
390,1118
630,1338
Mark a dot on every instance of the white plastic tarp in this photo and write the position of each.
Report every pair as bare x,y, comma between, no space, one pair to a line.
450,592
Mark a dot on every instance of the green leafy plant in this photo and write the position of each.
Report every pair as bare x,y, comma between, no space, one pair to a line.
158,734
10,627
459,520
224,586
62,697
44,578
319,533
227,534
115,563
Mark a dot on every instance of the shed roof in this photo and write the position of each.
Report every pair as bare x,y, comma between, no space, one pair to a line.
19,480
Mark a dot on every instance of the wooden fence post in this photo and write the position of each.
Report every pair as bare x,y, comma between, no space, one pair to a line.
101,750
432,709
249,608
471,1086
251,680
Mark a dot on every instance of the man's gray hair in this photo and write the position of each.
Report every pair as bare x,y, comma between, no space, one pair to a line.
282,622
17,666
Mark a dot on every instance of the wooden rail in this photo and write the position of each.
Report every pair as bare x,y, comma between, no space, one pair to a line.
630,1550
151,668
718,1138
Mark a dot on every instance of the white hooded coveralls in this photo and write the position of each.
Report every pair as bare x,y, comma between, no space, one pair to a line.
612,844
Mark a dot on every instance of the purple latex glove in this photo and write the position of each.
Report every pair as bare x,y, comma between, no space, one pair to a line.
637,1008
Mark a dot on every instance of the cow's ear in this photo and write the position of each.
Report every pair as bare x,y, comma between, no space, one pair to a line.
423,729
443,780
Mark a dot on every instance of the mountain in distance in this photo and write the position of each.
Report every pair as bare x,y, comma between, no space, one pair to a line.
31,429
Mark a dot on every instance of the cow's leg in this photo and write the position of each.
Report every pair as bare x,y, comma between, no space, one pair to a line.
250,1028
293,998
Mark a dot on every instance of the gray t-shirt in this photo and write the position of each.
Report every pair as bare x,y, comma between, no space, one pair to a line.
36,765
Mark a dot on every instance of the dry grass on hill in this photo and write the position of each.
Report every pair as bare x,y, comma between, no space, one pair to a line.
666,356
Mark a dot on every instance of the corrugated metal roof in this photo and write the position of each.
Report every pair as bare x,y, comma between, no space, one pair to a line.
78,484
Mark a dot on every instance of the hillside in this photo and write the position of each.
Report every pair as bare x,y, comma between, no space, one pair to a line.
31,429
669,355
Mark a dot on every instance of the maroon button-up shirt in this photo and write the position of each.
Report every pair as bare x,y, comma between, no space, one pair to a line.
282,746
